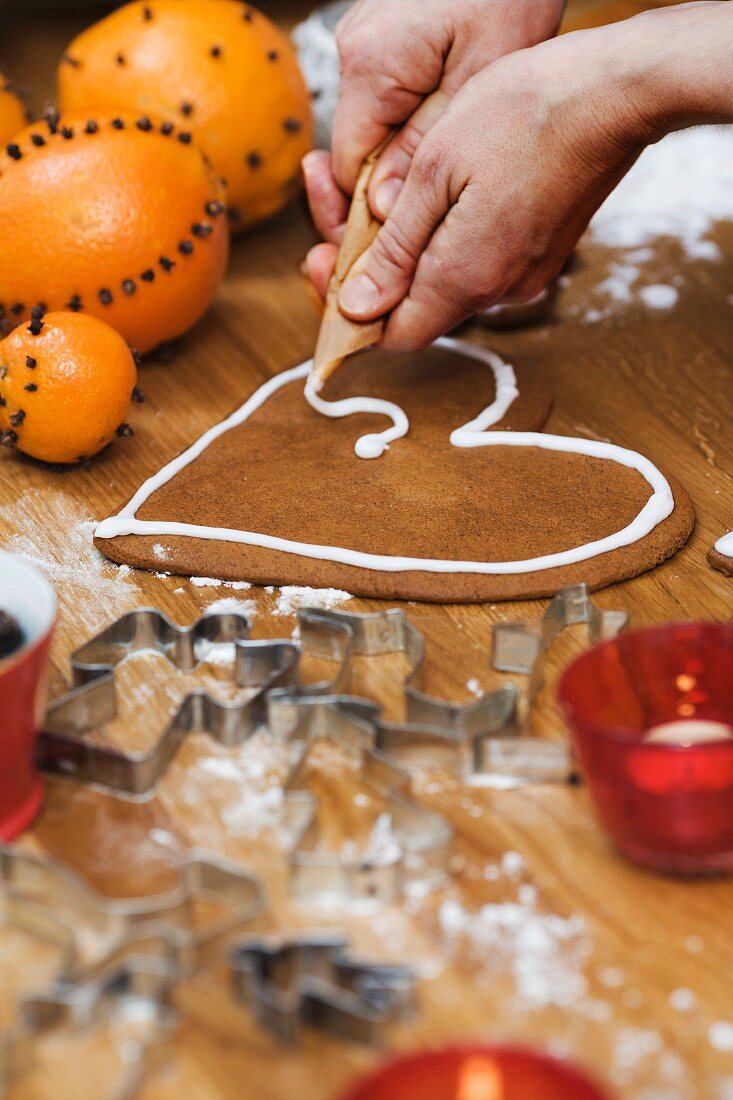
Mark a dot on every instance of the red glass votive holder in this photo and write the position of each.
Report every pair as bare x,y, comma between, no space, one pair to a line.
28,597
476,1073
664,794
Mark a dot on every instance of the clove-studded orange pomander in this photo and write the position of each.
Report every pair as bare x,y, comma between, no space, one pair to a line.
12,111
222,69
113,215
66,383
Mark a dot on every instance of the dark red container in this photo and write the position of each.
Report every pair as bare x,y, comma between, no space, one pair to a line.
667,806
476,1073
28,597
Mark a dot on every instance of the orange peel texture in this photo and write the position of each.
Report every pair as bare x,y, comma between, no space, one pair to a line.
66,383
221,69
118,216
12,111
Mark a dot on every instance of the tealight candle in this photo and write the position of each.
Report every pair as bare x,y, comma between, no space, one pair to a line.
651,718
476,1073
688,731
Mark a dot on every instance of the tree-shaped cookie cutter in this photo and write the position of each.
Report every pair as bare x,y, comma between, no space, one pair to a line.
65,747
420,841
313,980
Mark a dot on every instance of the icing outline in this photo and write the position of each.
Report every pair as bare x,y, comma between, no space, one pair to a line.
724,545
473,434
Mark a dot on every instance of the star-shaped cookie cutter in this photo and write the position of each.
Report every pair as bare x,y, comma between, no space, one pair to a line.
313,980
65,747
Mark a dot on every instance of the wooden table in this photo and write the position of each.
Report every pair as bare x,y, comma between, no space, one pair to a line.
595,965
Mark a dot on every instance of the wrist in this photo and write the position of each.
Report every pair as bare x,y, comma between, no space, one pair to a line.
678,67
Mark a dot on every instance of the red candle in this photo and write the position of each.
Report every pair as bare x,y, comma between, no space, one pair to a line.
28,598
476,1073
651,718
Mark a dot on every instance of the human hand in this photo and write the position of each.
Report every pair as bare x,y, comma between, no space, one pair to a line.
393,57
506,181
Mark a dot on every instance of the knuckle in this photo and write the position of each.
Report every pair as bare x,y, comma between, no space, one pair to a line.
394,248
427,165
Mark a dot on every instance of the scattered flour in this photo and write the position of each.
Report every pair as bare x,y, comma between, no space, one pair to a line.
292,597
206,582
678,188
720,1035
659,296
545,953
230,605
682,999
474,686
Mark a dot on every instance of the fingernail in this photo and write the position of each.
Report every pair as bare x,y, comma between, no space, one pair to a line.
386,195
359,295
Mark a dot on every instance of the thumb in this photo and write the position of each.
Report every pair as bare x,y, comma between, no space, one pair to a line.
382,276
395,161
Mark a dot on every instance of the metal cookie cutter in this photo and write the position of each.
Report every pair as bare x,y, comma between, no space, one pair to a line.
64,747
313,980
413,845
495,756
521,646
133,997
381,632
157,924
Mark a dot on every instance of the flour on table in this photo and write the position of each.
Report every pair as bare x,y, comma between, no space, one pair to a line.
678,189
293,596
230,605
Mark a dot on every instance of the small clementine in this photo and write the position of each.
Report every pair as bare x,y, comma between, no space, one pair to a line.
66,383
114,215
220,67
12,111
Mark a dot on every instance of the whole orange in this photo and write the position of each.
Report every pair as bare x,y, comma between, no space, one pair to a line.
12,111
114,215
220,67
66,383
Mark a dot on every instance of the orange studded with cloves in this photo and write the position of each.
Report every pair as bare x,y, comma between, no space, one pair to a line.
113,215
218,67
66,383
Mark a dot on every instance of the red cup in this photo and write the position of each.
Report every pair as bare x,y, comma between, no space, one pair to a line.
667,806
476,1073
28,597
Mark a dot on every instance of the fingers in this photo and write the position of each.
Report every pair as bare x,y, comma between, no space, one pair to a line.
442,292
319,264
329,206
394,164
382,276
391,57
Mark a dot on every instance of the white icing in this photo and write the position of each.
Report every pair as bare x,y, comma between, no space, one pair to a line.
659,505
724,545
375,444
368,446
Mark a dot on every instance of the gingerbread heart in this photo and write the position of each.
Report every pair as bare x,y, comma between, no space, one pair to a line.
496,510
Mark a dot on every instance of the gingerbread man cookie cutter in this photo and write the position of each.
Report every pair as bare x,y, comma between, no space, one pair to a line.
64,744
313,980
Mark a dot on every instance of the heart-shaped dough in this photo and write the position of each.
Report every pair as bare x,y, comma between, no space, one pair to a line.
279,474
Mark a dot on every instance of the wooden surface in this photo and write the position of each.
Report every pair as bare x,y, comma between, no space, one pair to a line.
596,958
